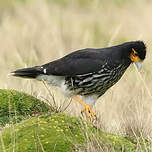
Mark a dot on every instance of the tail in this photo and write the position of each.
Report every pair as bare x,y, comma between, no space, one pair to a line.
32,72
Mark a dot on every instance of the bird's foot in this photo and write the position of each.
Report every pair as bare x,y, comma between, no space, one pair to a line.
87,109
89,112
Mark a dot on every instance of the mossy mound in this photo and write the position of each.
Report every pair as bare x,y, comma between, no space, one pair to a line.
16,106
56,132
59,133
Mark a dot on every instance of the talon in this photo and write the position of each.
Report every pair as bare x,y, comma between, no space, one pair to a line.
88,111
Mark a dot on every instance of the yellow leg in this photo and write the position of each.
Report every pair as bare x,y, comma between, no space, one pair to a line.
87,108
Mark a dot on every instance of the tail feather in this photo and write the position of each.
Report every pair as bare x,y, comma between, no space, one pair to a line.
32,72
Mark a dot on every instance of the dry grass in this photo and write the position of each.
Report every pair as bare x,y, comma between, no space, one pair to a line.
40,31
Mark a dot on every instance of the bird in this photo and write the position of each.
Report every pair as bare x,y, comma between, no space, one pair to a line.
86,74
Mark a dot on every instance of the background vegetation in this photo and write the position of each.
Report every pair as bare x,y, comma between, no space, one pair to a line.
34,32
17,106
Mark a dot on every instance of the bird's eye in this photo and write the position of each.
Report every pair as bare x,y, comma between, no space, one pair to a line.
135,54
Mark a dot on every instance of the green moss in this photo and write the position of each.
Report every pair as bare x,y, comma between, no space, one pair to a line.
55,132
16,106
60,133
117,142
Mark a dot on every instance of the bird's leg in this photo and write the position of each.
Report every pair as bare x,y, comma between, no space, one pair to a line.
87,109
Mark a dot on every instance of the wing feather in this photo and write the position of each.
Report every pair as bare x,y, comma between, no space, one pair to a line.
79,62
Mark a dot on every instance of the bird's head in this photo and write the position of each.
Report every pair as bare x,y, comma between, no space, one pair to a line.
138,53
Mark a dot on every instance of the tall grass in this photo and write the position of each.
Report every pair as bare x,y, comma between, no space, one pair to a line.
39,31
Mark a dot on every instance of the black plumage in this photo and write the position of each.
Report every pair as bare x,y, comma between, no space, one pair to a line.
96,82
89,71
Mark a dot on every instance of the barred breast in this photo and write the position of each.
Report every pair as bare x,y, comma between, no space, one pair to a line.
97,82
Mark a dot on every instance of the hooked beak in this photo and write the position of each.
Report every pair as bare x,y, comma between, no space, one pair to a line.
138,65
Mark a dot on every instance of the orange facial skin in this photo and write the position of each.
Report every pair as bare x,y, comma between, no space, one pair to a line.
134,56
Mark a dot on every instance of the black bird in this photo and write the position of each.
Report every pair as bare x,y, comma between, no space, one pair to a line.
88,72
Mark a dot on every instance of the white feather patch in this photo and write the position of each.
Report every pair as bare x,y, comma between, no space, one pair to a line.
90,100
44,71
